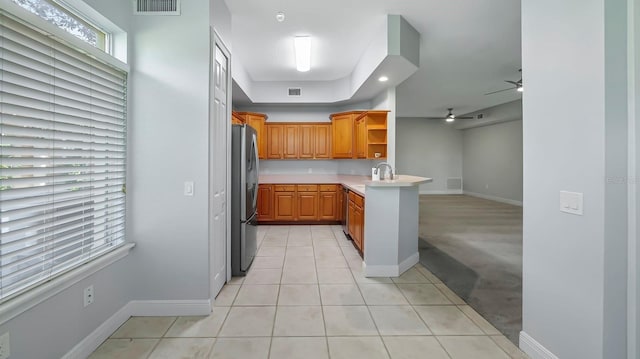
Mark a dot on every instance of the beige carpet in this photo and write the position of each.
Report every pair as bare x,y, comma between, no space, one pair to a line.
475,247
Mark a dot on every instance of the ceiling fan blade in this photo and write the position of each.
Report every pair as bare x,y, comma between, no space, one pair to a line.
512,82
434,118
465,118
491,93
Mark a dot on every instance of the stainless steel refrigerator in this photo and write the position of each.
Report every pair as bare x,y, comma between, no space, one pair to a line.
244,198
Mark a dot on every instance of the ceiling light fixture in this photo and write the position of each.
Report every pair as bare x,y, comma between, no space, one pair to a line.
383,79
520,88
280,16
451,118
303,53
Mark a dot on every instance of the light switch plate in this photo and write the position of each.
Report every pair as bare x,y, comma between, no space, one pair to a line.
188,188
571,202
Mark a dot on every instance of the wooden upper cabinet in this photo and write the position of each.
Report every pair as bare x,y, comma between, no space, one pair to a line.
275,141
343,134
306,141
235,119
290,142
298,140
322,141
361,139
257,121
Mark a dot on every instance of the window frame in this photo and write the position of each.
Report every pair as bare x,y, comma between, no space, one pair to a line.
103,37
33,296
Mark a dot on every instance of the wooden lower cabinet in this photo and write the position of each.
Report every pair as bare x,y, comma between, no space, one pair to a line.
284,206
307,206
303,202
328,206
265,202
356,219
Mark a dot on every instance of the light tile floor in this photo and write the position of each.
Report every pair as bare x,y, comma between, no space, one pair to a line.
305,297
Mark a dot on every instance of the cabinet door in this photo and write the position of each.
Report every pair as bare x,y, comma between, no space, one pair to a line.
351,219
361,139
328,206
322,141
306,141
265,202
342,129
359,227
307,206
257,122
284,206
339,211
274,141
290,142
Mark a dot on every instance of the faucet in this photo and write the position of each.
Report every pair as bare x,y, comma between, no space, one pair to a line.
384,164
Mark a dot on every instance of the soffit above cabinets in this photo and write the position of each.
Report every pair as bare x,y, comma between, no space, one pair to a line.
467,48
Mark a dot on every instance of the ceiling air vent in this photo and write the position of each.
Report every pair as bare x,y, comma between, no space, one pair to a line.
294,91
479,116
157,7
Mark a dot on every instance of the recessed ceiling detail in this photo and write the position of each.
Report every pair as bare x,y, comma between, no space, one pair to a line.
394,51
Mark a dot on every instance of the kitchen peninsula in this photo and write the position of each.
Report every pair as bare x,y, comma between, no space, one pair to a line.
382,216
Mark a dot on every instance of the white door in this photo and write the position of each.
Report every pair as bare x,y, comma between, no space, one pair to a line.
219,166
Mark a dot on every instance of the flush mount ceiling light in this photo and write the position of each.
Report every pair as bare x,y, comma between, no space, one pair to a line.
383,79
303,53
280,16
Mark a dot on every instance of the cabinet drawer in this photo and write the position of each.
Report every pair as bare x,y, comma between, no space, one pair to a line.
284,188
355,198
307,188
328,188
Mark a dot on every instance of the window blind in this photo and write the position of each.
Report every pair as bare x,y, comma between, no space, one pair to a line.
62,157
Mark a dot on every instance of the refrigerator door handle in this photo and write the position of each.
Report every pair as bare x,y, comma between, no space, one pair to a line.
257,171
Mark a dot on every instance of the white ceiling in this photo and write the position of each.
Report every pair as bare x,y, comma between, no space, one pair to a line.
468,47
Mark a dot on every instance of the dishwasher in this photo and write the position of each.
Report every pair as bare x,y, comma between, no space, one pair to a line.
345,211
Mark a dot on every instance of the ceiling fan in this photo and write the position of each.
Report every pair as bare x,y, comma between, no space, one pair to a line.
518,85
450,117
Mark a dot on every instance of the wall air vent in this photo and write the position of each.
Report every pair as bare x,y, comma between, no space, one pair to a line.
157,7
454,183
295,91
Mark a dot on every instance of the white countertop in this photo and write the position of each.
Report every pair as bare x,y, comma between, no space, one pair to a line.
399,181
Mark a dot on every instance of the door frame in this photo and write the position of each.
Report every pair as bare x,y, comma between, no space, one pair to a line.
216,42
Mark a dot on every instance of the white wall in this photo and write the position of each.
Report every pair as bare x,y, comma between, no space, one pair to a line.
429,148
492,161
168,134
344,167
574,139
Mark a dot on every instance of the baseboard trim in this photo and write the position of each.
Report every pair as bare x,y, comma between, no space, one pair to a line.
451,191
494,198
137,308
169,308
92,341
534,349
390,270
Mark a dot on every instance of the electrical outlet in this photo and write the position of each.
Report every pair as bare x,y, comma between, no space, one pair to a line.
5,350
88,296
